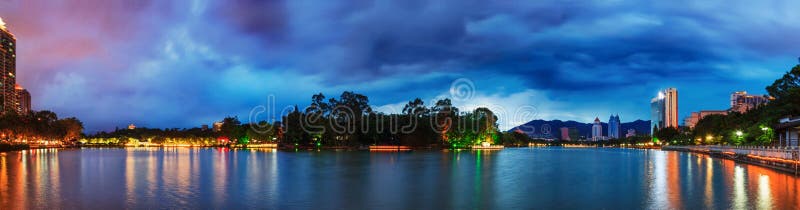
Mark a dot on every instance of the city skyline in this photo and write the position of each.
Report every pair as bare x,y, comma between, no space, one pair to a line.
178,74
399,104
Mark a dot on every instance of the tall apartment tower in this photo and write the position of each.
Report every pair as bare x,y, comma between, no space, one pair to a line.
597,130
664,109
613,127
8,69
23,100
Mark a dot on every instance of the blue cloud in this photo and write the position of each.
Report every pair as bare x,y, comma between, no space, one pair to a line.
186,63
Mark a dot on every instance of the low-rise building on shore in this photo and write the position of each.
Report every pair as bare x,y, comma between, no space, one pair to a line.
787,131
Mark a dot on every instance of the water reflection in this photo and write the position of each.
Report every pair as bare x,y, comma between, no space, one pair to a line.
764,194
507,179
658,179
708,192
739,191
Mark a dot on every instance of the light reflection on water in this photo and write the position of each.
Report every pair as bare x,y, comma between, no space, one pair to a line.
512,178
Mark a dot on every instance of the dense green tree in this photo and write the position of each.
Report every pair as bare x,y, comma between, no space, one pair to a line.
513,139
756,124
667,134
37,126
232,129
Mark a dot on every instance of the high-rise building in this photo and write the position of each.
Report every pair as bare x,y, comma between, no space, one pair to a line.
597,130
613,127
742,102
664,109
8,70
565,134
23,100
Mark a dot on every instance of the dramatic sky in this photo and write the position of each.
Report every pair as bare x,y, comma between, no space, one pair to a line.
186,63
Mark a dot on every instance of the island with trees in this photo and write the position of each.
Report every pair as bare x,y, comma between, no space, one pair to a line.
37,129
346,122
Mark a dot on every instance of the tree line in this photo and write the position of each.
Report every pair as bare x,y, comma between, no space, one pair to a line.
347,121
232,131
37,126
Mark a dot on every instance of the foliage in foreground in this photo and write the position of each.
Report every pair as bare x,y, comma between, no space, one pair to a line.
754,127
40,125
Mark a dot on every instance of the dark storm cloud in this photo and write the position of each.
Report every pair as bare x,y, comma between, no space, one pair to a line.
185,63
547,41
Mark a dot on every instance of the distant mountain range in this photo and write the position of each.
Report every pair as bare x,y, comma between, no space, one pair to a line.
551,128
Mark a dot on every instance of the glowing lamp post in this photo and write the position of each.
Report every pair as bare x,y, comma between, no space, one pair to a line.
738,137
766,136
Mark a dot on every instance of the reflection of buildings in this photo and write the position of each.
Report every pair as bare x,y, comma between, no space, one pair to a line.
742,102
692,120
8,70
674,180
597,130
613,127
664,109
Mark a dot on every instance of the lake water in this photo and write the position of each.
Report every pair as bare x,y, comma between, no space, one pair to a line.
509,179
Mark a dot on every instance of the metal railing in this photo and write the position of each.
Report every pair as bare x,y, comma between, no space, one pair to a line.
785,153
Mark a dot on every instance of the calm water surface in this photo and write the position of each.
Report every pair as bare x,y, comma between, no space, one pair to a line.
508,179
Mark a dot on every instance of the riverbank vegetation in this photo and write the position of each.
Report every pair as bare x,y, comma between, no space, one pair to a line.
754,127
349,121
40,127
231,132
9,146
345,122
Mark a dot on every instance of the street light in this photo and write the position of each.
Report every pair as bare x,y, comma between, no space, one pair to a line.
738,137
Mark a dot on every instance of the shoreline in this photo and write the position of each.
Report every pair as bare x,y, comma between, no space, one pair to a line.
777,164
14,147
279,147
